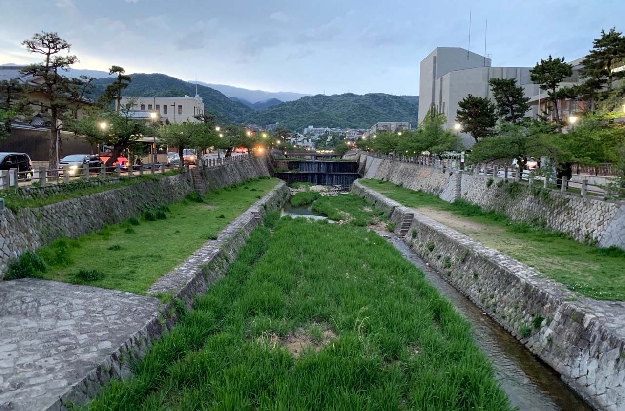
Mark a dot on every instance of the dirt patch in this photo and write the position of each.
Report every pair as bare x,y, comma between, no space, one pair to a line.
459,223
300,340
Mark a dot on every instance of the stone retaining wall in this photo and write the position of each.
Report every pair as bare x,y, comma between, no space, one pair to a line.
191,278
580,338
32,228
586,219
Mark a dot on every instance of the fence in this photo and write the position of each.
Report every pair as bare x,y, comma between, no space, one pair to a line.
546,177
43,177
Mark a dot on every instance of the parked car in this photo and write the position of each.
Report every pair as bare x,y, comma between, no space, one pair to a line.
78,162
121,161
173,159
21,161
189,156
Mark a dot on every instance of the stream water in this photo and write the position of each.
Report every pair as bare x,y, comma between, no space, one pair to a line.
530,384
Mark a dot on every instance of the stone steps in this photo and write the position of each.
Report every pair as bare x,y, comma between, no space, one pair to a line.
405,224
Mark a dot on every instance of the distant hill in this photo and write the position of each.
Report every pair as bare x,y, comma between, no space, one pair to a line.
160,85
261,105
344,110
253,96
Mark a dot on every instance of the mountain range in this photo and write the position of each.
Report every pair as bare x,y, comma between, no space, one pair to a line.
344,110
253,96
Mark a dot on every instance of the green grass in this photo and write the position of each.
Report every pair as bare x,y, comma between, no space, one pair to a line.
395,341
594,272
75,189
132,257
348,207
304,198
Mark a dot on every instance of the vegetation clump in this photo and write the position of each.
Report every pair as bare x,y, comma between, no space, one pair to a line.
304,198
27,265
89,276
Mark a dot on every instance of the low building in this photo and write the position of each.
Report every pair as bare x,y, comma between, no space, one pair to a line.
170,109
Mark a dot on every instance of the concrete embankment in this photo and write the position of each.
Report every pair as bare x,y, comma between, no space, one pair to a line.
32,228
581,338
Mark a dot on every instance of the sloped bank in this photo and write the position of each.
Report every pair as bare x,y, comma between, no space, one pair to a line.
193,277
584,218
582,339
32,228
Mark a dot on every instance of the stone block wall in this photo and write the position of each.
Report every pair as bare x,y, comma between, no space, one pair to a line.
32,228
578,337
193,277
586,219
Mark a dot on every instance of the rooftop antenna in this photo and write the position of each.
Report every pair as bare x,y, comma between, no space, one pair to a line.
469,50
196,85
485,31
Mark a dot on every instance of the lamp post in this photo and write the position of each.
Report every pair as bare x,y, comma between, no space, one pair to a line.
572,121
457,127
153,117
103,126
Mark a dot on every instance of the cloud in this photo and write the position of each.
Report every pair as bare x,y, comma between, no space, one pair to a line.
299,54
64,3
131,1
194,40
325,32
279,16
391,33
253,45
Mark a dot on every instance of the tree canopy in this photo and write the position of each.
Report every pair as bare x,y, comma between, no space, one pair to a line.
477,116
512,104
549,74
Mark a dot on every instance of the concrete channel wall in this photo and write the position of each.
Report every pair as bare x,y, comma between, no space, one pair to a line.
32,228
193,277
586,219
578,337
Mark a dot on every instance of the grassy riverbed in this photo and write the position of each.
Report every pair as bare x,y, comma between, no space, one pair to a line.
314,315
132,255
595,272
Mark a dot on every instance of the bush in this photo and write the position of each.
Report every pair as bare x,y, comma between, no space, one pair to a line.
27,265
57,254
160,215
525,331
148,215
195,197
430,245
115,247
221,216
133,221
89,275
537,321
129,230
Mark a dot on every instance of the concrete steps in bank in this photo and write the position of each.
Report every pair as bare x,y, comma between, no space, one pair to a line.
405,224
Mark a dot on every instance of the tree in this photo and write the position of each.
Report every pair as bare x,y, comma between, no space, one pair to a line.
549,74
54,87
341,149
385,142
113,91
187,135
607,52
512,104
80,88
476,116
119,130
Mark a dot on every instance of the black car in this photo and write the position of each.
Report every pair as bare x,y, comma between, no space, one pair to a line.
78,162
21,161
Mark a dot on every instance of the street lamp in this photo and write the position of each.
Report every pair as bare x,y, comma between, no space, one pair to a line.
217,128
103,125
153,116
265,135
457,127
572,120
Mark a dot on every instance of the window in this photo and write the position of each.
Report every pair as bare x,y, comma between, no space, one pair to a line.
142,107
179,109
158,108
149,107
165,109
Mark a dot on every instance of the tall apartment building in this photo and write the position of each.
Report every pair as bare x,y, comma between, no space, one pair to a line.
449,74
173,109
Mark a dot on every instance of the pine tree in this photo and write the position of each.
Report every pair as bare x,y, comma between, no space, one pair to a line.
477,116
512,104
549,74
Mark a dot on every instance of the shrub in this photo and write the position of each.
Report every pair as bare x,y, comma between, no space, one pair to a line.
195,197
148,215
89,275
414,234
525,331
447,262
160,215
489,182
57,254
390,226
115,247
537,321
129,230
221,216
430,245
165,209
27,265
133,221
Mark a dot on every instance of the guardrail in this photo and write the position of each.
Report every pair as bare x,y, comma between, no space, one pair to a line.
43,177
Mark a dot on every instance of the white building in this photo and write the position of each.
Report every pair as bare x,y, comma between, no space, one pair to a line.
172,109
449,74
391,126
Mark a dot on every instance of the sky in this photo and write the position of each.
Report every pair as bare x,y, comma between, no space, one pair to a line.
311,47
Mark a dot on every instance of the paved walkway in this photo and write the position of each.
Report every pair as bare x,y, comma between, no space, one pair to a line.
52,334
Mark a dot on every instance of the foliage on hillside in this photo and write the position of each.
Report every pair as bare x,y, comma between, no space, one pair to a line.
260,105
160,85
345,110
